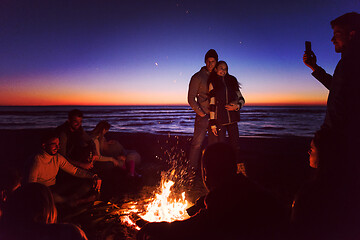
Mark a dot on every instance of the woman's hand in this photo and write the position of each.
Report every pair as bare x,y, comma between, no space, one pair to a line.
119,161
232,107
95,157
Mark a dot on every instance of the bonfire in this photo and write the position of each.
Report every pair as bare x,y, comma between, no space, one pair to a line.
168,201
163,206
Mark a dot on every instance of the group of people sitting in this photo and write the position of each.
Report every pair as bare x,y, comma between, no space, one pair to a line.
86,160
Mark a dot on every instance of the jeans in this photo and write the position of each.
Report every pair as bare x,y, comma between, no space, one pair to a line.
234,140
200,128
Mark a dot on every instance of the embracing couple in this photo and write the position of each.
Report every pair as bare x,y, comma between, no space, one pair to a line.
215,97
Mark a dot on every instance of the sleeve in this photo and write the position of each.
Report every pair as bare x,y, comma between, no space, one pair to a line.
62,143
241,99
71,169
323,77
192,95
212,121
33,173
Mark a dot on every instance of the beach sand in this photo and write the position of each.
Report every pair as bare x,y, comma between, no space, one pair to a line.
278,164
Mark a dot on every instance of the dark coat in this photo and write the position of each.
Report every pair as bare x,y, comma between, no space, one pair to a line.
225,92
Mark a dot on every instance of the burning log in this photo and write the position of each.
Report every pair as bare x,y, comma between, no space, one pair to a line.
162,207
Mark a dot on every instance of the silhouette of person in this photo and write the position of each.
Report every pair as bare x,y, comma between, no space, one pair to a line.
329,207
30,213
335,138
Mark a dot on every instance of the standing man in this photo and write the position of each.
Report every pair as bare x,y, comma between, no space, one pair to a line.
330,206
335,139
199,101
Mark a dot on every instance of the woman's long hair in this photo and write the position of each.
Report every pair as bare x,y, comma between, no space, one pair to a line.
213,78
98,130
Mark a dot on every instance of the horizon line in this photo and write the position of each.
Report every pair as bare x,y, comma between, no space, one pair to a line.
143,105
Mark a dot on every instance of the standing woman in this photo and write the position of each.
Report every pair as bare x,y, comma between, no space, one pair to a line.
225,102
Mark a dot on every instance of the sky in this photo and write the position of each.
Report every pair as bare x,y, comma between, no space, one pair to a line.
144,52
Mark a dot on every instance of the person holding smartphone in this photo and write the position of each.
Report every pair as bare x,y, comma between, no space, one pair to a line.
329,207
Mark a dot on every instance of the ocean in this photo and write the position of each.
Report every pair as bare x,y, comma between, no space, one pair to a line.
256,121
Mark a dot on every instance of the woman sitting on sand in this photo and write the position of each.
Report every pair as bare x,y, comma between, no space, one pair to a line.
113,151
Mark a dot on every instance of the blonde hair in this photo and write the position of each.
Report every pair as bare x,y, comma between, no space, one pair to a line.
31,203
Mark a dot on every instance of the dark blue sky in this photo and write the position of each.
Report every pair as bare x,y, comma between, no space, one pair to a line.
121,52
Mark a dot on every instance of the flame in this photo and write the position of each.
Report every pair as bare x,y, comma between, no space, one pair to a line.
166,203
126,213
161,207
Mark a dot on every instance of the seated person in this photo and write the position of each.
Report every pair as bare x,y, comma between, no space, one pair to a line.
46,165
235,207
30,213
75,143
10,180
113,151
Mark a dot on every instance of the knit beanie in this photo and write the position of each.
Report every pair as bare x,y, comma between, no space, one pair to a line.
211,53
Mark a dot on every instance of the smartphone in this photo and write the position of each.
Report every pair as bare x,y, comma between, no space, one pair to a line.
307,46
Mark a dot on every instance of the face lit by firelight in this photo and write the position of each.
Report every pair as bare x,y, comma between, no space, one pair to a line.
52,146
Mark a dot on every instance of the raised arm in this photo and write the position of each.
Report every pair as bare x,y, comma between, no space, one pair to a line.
323,77
309,60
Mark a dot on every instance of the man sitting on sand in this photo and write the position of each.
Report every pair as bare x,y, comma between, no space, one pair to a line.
236,208
45,167
75,144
